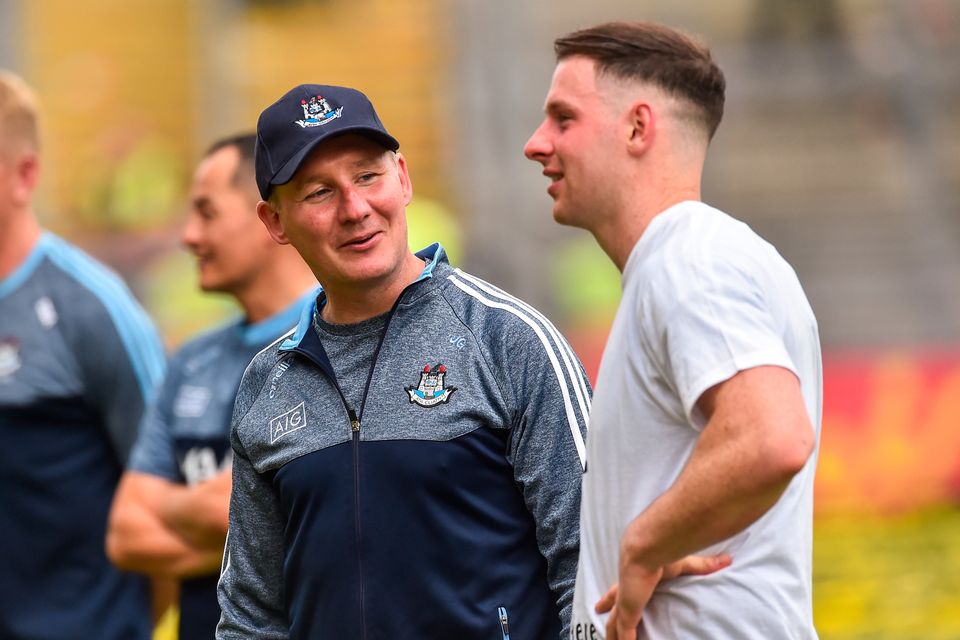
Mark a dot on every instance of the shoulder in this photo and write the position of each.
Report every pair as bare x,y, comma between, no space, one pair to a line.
93,288
208,338
494,315
85,271
209,344
97,310
263,363
516,339
269,363
695,248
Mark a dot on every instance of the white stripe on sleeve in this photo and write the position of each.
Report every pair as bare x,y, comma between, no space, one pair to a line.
567,403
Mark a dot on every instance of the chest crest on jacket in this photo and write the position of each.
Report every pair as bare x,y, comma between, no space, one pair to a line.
432,388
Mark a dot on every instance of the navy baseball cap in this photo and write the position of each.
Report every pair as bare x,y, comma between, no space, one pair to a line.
290,128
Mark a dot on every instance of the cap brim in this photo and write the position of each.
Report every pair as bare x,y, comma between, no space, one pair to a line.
285,173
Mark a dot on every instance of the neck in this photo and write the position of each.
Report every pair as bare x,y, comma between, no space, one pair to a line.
19,232
275,290
619,234
352,305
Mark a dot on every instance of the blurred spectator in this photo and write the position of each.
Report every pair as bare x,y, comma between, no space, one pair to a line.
79,359
170,514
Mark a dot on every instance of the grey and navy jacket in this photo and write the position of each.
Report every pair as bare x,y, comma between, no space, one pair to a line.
445,506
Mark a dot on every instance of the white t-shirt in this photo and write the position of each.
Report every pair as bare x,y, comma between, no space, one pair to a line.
703,298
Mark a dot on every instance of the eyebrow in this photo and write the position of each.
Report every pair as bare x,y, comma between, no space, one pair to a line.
315,178
557,104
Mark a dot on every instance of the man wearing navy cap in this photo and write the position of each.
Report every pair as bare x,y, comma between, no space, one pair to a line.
407,461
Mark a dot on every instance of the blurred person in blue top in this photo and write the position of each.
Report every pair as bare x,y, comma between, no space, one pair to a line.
169,518
79,360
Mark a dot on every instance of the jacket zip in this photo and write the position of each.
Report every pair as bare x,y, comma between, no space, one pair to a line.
504,622
355,436
355,425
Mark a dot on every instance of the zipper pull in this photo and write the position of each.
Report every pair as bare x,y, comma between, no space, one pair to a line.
354,420
504,623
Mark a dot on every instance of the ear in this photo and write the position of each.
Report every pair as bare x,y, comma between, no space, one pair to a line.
270,218
28,174
642,127
405,183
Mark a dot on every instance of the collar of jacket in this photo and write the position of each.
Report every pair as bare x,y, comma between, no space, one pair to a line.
434,255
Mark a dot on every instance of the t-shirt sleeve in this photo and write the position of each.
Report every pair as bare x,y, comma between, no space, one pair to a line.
154,451
122,360
716,324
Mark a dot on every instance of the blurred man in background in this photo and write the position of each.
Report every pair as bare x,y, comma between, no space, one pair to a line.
707,411
78,361
169,518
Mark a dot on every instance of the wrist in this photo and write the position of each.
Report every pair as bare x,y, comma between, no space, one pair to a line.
636,548
170,508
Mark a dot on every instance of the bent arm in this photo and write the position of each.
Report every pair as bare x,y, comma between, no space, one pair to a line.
200,512
757,437
138,538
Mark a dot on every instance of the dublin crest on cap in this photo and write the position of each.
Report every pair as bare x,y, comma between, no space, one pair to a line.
290,128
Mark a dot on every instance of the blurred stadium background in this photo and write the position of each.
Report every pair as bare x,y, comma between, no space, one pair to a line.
840,145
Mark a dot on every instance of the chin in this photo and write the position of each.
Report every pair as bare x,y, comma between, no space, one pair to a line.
371,270
562,216
209,284
209,288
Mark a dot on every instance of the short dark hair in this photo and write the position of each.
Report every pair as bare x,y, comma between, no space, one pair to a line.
653,53
244,143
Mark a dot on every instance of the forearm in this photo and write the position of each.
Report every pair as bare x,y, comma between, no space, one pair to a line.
145,547
712,500
757,438
199,513
138,539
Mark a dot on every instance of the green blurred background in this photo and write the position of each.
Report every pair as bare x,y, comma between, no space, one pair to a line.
840,146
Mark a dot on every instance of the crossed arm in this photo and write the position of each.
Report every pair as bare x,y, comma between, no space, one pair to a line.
757,437
167,529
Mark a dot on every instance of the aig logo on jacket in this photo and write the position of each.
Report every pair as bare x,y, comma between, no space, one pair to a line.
288,422
432,390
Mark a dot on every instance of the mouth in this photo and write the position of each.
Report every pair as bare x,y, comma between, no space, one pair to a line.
554,187
361,242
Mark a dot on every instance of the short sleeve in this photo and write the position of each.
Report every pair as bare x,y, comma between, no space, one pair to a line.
123,362
720,324
154,452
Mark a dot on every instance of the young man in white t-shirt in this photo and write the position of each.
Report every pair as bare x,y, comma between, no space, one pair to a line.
706,418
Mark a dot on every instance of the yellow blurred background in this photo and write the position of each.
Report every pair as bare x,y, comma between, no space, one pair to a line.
840,146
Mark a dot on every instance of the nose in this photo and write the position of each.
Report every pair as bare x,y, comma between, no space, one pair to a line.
353,206
538,146
191,234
